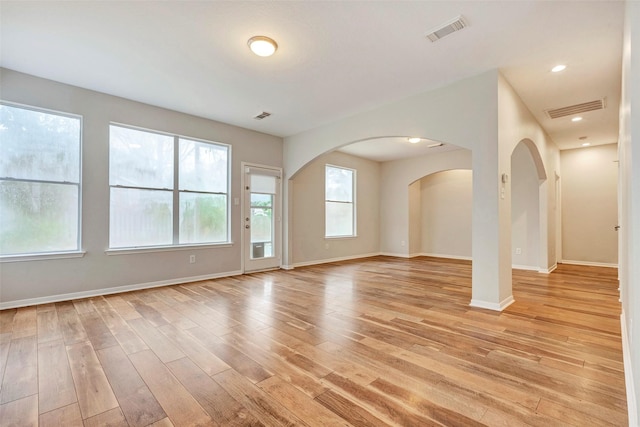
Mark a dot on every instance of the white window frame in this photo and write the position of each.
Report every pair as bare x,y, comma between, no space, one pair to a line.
352,203
61,254
176,191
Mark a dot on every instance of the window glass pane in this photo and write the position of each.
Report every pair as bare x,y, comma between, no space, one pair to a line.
339,219
140,159
140,218
263,184
38,217
203,218
339,184
260,200
39,146
203,166
261,218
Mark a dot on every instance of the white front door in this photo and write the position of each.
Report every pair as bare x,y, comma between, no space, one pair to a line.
261,219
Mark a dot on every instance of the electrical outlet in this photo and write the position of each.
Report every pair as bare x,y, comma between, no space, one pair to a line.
192,259
402,243
518,251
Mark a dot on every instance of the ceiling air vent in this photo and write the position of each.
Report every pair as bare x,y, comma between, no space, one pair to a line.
444,30
262,115
577,109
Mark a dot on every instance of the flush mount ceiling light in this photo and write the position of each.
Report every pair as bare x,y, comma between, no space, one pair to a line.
413,140
586,144
558,68
262,46
576,119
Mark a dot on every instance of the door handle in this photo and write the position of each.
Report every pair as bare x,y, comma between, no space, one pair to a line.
616,227
246,226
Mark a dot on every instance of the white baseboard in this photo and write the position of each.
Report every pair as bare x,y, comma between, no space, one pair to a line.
628,374
114,290
525,267
589,264
328,260
493,305
548,270
462,257
393,254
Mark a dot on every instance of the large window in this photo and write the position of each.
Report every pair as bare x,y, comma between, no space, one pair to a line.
166,190
339,202
39,181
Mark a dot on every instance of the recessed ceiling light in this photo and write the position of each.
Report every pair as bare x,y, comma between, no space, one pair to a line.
586,144
576,119
558,68
413,140
262,46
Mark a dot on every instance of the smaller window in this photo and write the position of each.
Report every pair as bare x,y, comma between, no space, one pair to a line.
339,202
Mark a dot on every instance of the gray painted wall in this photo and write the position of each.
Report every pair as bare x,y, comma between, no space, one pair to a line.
97,271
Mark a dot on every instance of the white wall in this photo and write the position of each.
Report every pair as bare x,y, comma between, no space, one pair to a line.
629,155
525,212
590,205
35,281
517,125
447,213
415,221
308,242
396,176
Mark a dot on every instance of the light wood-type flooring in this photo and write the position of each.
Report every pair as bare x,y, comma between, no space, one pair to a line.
373,342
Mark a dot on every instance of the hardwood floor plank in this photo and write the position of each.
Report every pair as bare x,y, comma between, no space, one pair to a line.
55,382
119,328
67,416
138,405
206,360
266,409
97,332
112,417
21,373
6,320
70,325
94,392
352,412
298,403
21,412
180,406
224,409
231,356
48,326
158,342
24,322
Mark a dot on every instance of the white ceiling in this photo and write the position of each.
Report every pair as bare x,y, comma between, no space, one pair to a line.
335,59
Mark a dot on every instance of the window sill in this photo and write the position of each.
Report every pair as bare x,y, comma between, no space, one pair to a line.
340,237
151,249
41,257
